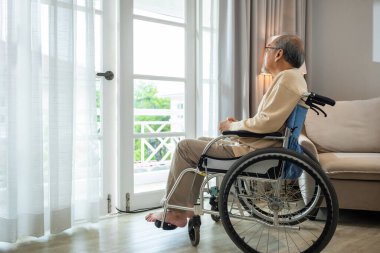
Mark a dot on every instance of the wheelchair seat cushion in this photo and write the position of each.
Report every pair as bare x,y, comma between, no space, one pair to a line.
216,164
267,169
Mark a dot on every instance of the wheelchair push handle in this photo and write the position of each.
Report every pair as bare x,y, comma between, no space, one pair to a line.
314,99
323,99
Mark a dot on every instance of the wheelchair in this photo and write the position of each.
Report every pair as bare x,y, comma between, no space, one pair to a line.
269,199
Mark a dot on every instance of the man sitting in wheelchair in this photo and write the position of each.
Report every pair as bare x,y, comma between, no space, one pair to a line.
282,59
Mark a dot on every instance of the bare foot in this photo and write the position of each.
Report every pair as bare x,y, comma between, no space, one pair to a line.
189,214
173,217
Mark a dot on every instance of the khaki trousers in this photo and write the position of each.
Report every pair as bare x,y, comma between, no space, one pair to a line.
186,155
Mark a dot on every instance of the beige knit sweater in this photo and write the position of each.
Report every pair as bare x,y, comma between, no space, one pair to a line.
285,93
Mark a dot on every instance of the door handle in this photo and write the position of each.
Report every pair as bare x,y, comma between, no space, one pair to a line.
108,75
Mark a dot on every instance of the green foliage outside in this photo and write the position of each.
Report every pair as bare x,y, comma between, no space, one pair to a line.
145,97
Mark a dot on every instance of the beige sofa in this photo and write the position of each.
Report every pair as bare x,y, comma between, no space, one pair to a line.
347,145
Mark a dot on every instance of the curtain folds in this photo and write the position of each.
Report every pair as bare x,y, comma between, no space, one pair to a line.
234,48
49,150
245,26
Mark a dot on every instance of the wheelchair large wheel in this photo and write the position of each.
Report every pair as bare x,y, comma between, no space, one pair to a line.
269,221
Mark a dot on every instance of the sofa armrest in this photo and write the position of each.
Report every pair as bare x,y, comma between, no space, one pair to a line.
308,145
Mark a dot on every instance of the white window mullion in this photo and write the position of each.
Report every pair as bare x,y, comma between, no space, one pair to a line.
159,78
207,72
190,74
158,135
199,70
157,20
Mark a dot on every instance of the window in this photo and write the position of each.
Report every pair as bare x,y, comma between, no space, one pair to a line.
160,88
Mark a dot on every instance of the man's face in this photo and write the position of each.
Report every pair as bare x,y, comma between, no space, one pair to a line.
270,52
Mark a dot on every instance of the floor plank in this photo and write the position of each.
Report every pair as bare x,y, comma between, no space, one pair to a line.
357,231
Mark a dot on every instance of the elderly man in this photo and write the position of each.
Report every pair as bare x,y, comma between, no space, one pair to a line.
282,59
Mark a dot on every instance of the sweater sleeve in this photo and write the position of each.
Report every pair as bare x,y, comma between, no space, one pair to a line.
279,104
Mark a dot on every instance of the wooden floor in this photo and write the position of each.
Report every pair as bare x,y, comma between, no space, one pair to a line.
357,232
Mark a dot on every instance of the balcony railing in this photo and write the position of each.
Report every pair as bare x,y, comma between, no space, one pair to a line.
155,145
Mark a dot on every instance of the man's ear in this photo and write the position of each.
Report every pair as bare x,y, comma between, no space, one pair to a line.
279,55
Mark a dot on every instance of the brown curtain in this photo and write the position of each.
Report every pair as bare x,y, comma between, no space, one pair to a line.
245,27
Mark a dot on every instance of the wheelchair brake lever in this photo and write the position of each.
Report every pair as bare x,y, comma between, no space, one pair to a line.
315,108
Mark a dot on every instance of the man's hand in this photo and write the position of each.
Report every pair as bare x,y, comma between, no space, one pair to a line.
225,125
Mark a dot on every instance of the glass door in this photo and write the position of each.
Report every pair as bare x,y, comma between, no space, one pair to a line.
106,56
157,97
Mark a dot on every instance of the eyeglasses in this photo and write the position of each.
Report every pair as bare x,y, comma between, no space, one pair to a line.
268,47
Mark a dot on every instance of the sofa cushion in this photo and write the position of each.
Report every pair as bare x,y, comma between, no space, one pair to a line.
357,166
350,126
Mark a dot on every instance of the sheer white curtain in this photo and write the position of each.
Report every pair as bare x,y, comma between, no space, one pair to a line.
49,151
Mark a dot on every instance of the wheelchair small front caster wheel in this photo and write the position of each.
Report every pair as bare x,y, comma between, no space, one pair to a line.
194,230
215,217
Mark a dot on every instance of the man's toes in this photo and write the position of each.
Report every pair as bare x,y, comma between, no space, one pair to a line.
152,217
148,217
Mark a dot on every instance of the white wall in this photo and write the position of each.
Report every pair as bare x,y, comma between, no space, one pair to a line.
340,49
376,31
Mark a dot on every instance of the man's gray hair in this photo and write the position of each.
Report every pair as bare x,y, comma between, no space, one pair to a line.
293,49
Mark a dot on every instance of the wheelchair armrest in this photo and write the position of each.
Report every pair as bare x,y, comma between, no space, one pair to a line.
243,133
